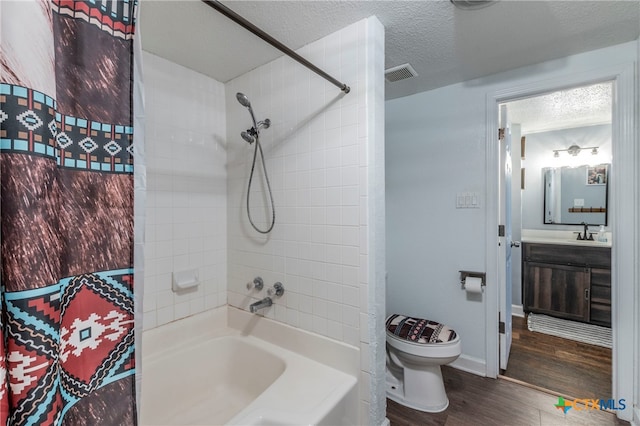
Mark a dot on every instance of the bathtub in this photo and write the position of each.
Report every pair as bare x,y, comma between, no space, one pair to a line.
227,366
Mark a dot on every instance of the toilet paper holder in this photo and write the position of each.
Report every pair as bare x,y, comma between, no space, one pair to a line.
465,274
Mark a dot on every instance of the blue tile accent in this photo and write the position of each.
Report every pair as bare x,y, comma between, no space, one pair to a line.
20,91
65,130
20,145
85,333
18,295
39,148
38,97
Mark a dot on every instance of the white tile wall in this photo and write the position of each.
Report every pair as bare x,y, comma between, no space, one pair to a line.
313,161
317,152
186,208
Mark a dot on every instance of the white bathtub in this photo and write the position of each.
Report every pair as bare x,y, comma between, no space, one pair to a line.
227,366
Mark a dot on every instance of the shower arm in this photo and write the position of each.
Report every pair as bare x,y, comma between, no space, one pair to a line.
215,4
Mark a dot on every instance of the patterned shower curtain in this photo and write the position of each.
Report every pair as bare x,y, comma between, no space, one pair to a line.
66,212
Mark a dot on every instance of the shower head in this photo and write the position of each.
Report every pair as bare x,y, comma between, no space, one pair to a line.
251,135
244,101
247,137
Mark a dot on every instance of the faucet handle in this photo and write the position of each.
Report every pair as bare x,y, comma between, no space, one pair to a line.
257,284
277,290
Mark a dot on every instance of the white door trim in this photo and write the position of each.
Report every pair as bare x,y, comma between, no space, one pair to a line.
625,215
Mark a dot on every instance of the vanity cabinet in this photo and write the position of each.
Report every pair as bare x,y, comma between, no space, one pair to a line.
567,281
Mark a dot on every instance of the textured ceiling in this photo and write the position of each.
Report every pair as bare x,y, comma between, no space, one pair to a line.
578,107
444,44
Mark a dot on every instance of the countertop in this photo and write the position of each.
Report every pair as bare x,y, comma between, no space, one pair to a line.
568,238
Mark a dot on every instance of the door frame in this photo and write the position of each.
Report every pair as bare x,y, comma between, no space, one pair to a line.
626,213
505,252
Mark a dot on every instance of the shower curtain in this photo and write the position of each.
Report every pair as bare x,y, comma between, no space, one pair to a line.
66,212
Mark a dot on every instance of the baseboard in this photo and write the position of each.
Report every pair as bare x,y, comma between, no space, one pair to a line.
517,311
471,365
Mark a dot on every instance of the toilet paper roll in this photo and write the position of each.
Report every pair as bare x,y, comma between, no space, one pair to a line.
473,285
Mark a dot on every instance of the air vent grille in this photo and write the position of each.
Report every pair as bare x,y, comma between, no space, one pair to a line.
472,4
401,72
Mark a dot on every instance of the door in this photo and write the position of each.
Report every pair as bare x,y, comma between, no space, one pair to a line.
517,179
505,238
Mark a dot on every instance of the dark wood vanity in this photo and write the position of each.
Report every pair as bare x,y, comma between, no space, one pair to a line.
567,281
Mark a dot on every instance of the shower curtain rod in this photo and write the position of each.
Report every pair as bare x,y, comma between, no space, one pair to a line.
272,41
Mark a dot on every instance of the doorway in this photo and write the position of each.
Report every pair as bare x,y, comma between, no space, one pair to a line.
561,133
623,139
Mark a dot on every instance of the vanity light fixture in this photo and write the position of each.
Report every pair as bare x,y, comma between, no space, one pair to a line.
574,150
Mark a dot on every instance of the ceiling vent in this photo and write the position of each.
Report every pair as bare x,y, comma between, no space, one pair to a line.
401,72
472,4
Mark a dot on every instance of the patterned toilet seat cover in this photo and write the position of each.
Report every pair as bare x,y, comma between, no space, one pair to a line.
419,330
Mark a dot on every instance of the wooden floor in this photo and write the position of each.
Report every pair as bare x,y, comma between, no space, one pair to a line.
480,401
564,367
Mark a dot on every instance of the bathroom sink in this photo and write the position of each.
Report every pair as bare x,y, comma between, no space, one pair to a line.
561,237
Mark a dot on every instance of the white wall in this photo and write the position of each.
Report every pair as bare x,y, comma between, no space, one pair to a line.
319,160
186,208
436,148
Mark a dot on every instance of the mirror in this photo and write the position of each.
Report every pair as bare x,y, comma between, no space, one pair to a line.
573,195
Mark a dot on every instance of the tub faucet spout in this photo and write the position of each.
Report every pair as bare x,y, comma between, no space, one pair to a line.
264,303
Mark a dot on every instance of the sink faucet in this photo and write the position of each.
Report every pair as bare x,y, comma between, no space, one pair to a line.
585,237
264,303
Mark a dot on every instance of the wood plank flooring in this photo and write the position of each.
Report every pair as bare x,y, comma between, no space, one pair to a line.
479,401
564,367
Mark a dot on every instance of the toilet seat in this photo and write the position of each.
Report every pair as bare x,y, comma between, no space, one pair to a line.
421,337
418,330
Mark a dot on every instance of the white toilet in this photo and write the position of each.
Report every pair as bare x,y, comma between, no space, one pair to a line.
416,348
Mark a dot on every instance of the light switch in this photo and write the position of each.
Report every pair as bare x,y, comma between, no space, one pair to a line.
467,200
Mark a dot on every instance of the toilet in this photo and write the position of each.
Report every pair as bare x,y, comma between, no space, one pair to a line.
416,348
